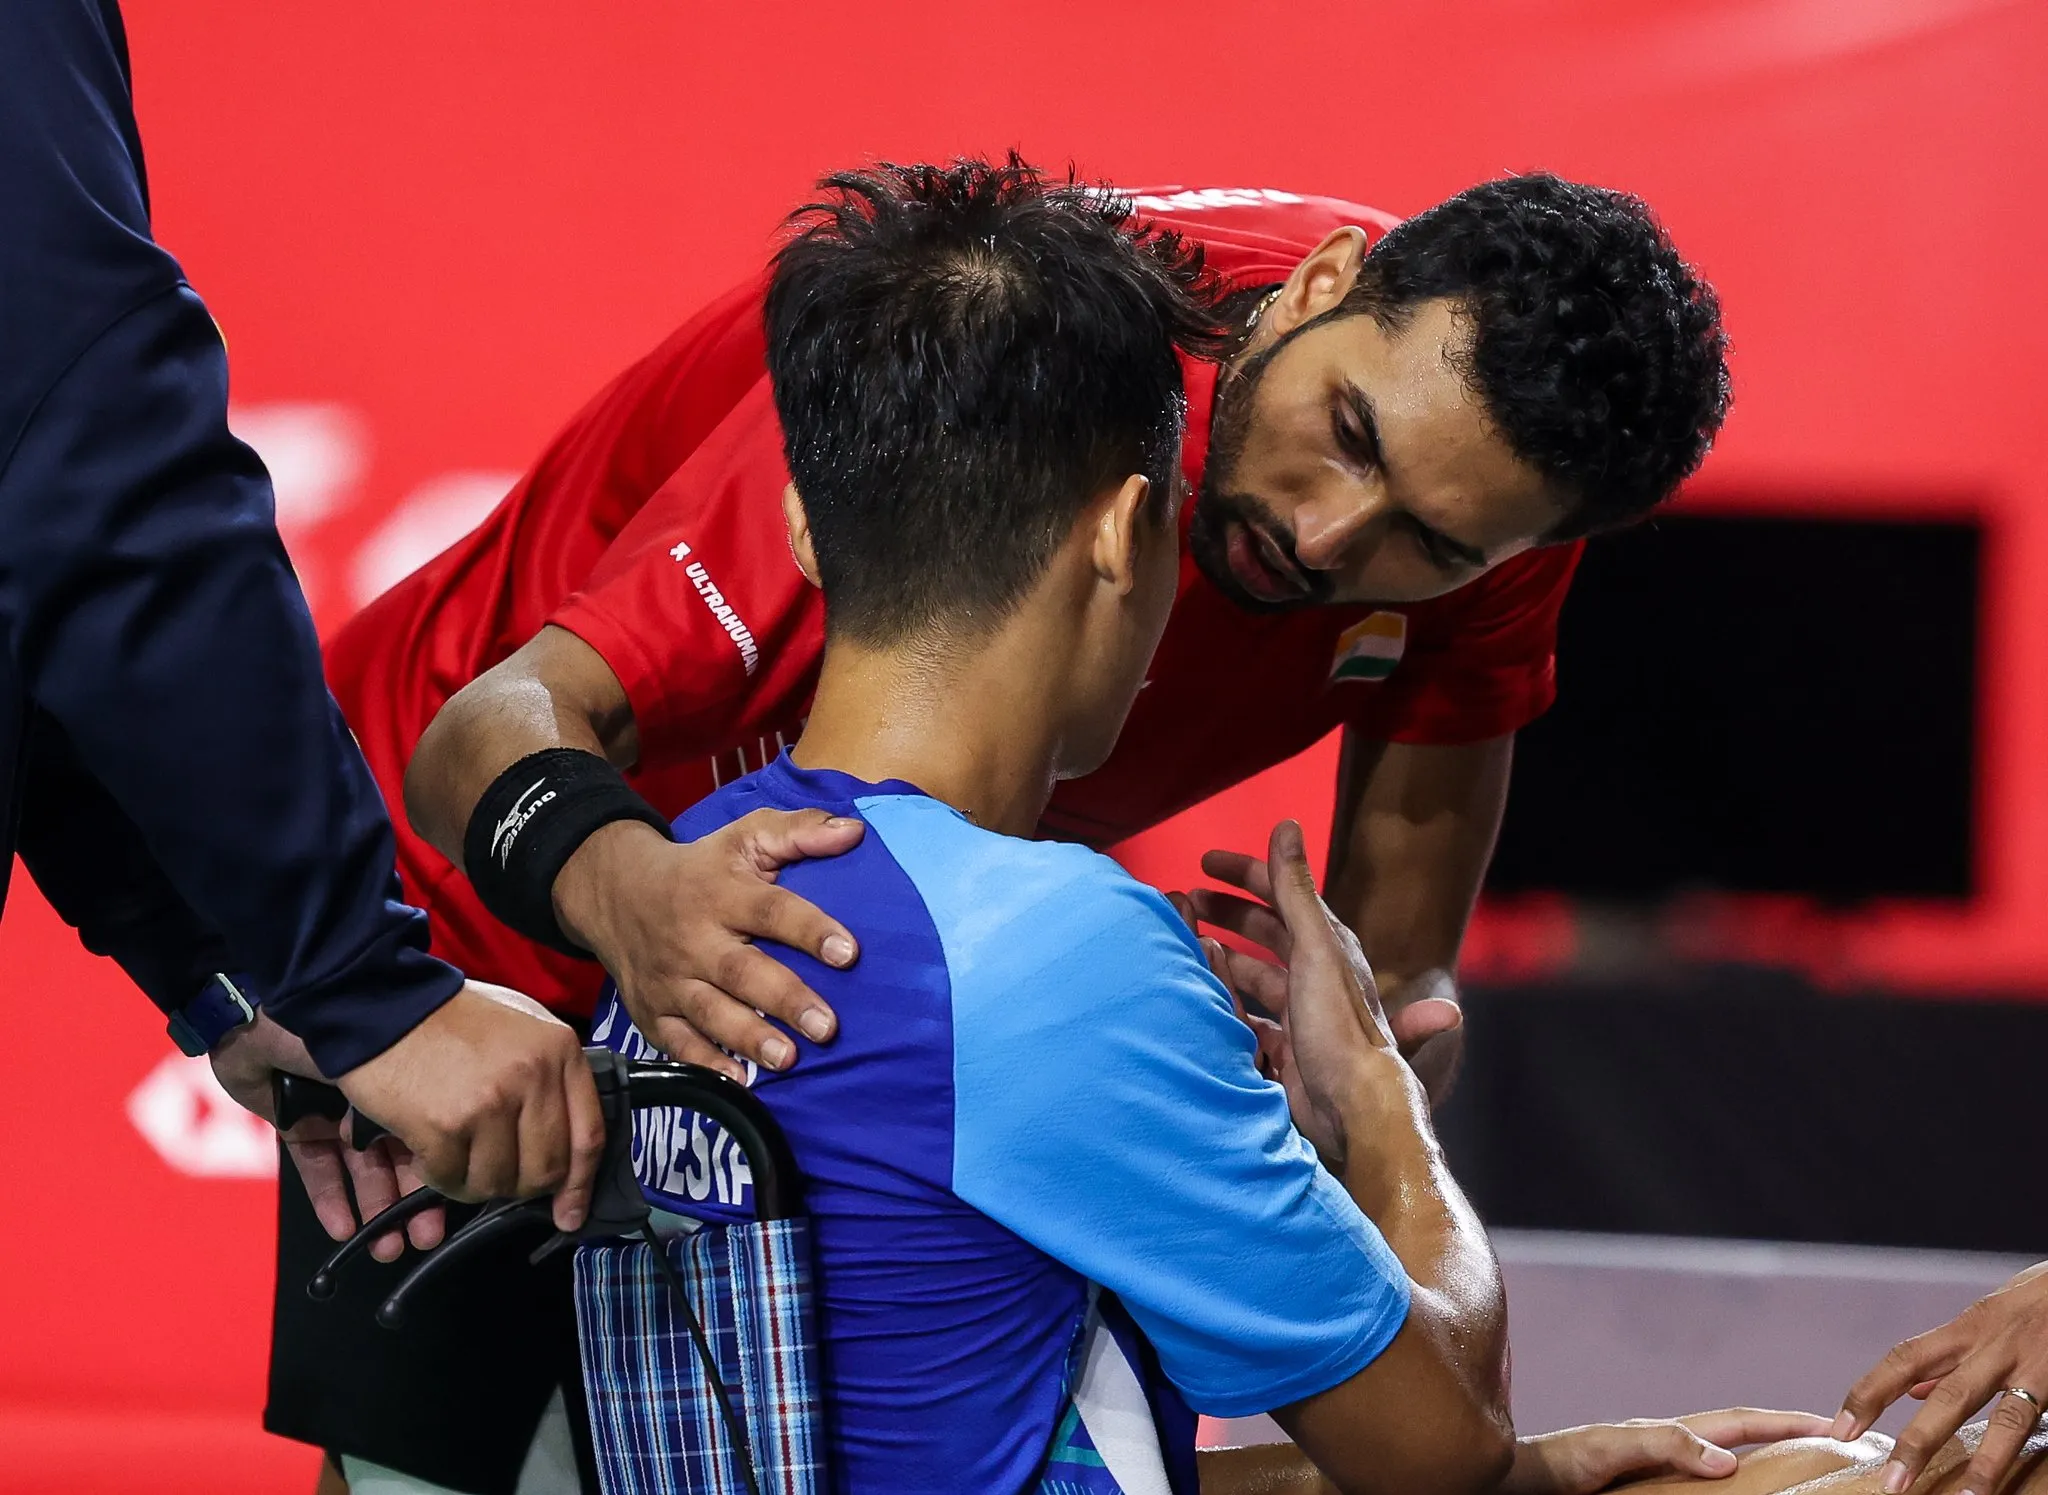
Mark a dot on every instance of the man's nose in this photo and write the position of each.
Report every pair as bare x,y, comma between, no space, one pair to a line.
1329,534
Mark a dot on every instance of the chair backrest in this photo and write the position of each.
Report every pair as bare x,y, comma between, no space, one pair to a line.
685,1339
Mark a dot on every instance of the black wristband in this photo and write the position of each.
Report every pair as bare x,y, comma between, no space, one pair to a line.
530,821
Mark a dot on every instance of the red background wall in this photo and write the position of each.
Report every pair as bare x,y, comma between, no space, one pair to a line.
430,231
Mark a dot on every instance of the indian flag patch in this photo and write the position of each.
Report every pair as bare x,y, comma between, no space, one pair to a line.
1370,650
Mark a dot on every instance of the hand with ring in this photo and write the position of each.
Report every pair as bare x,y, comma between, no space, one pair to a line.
1998,1348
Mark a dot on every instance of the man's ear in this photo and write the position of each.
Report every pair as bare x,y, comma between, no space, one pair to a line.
798,523
1120,529
1320,281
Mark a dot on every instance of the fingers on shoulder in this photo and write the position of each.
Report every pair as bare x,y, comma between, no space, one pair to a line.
1904,1365
1734,1427
1946,1409
769,838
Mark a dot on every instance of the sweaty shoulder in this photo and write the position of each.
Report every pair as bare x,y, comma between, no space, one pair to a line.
1256,234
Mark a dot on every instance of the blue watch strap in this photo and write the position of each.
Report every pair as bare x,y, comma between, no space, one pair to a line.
218,1009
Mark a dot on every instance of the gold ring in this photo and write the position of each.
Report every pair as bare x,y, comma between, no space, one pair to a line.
2026,1396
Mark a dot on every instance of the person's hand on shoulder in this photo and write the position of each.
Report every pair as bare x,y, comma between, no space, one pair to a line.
675,925
244,1062
1998,1347
492,1094
1580,1461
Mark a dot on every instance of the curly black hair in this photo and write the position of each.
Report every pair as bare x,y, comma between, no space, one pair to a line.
1598,351
963,356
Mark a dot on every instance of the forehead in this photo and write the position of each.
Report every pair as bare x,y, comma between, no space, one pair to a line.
1442,456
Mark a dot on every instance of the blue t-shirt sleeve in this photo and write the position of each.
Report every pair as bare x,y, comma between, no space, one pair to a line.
1110,1111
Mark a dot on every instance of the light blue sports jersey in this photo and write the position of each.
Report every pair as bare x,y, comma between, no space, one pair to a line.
1055,1206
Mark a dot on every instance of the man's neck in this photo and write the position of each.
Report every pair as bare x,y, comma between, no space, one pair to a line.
970,725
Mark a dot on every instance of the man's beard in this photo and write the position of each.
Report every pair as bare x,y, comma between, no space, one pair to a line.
1220,506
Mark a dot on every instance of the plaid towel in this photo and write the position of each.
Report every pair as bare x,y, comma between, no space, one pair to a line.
654,1417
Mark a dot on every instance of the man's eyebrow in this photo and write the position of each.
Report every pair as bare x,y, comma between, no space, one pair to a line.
1360,404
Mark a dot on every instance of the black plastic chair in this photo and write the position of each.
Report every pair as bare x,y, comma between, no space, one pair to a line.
752,1280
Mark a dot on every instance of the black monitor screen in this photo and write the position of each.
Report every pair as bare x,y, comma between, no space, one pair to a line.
1763,705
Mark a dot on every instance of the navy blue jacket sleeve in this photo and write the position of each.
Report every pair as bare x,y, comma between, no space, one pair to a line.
91,863
146,602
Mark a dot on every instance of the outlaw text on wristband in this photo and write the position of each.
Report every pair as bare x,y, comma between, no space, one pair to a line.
530,822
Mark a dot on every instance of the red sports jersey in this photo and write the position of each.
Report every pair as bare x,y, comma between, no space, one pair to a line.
652,529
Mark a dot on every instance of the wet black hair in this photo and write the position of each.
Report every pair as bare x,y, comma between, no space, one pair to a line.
1598,351
963,356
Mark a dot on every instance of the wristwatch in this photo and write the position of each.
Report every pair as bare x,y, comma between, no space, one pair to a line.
217,1011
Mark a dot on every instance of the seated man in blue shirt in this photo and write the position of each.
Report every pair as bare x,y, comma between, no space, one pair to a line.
1059,1203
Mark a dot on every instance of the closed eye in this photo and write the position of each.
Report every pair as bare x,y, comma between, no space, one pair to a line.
1356,430
1438,548
1353,428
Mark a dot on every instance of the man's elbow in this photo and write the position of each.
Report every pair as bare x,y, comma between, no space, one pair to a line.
1469,1320
1473,1440
1466,1454
1486,1439
1434,1434
432,774
416,788
1484,1452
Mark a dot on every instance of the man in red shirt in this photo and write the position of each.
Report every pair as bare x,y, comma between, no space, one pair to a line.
1371,560
1392,469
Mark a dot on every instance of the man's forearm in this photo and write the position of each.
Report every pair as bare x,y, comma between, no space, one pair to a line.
1260,1469
1397,1174
1429,1411
553,693
479,734
556,692
1414,832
